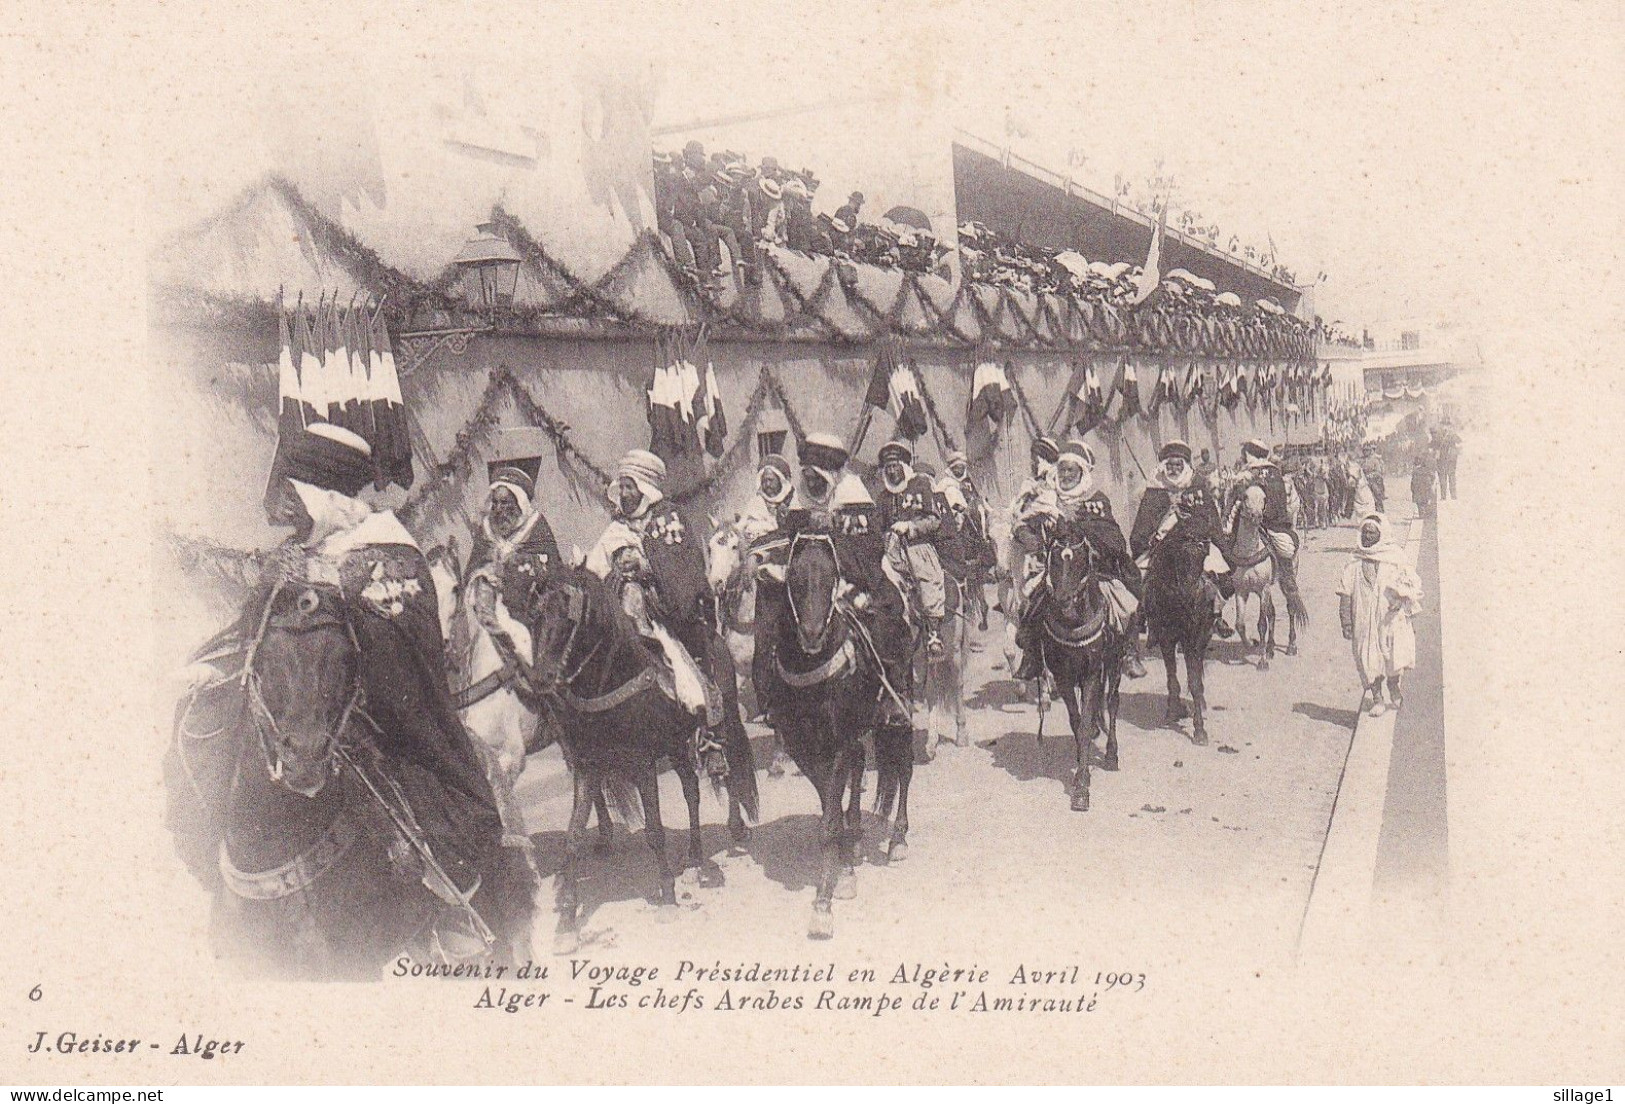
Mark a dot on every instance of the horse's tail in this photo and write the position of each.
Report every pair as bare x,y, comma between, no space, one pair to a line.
894,753
625,803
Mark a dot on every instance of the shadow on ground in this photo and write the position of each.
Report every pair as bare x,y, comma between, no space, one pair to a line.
786,849
1342,718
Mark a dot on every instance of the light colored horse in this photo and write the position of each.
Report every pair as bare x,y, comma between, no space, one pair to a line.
1253,572
1013,569
500,722
727,572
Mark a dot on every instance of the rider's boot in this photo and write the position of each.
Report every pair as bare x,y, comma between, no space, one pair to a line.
709,756
933,638
1133,665
1221,627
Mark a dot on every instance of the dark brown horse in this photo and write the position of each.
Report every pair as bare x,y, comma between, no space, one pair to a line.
825,689
1081,652
590,660
282,806
1179,616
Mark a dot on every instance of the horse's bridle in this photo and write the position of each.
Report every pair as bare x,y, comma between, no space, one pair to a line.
1066,551
834,588
266,730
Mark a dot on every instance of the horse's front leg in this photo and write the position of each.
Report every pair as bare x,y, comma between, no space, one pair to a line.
1266,627
655,830
1170,662
710,873
1193,675
831,781
903,747
954,676
1112,677
567,935
846,883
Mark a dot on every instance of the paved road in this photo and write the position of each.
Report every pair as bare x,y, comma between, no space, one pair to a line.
1186,850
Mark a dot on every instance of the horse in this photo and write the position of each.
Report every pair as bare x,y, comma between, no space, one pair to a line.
1179,616
942,679
590,660
1082,653
826,691
489,688
1253,559
1012,574
282,805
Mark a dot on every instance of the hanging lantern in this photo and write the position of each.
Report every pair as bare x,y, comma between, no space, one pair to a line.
489,269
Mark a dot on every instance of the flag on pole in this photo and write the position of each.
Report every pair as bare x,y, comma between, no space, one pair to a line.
1129,388
1191,389
392,446
713,423
668,434
991,397
312,402
355,371
392,449
892,388
1151,273
290,407
1087,404
1159,390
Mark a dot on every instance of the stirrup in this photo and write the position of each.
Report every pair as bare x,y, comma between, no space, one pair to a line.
709,755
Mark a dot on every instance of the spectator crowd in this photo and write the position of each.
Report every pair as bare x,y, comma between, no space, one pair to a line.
708,203
716,211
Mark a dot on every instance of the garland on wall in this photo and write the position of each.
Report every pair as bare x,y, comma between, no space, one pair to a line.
1162,326
438,492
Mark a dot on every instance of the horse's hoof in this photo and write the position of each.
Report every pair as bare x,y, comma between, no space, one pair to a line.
1109,763
822,925
711,876
846,886
1080,801
1199,738
566,942
897,851
1291,649
1264,665
740,835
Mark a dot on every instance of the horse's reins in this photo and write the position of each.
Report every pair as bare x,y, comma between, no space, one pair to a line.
263,718
1071,600
848,614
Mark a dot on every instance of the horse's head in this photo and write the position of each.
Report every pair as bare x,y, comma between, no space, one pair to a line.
301,680
724,556
446,569
565,627
811,580
1069,566
1252,502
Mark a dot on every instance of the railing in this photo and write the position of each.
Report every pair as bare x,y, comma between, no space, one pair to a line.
1071,187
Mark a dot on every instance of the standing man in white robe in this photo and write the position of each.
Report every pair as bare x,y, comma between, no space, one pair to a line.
1377,597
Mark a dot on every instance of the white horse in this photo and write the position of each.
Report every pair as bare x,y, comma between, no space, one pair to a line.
501,723
733,584
1013,571
1253,571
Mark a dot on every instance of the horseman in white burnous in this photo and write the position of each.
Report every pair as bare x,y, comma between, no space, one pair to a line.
1277,522
658,563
